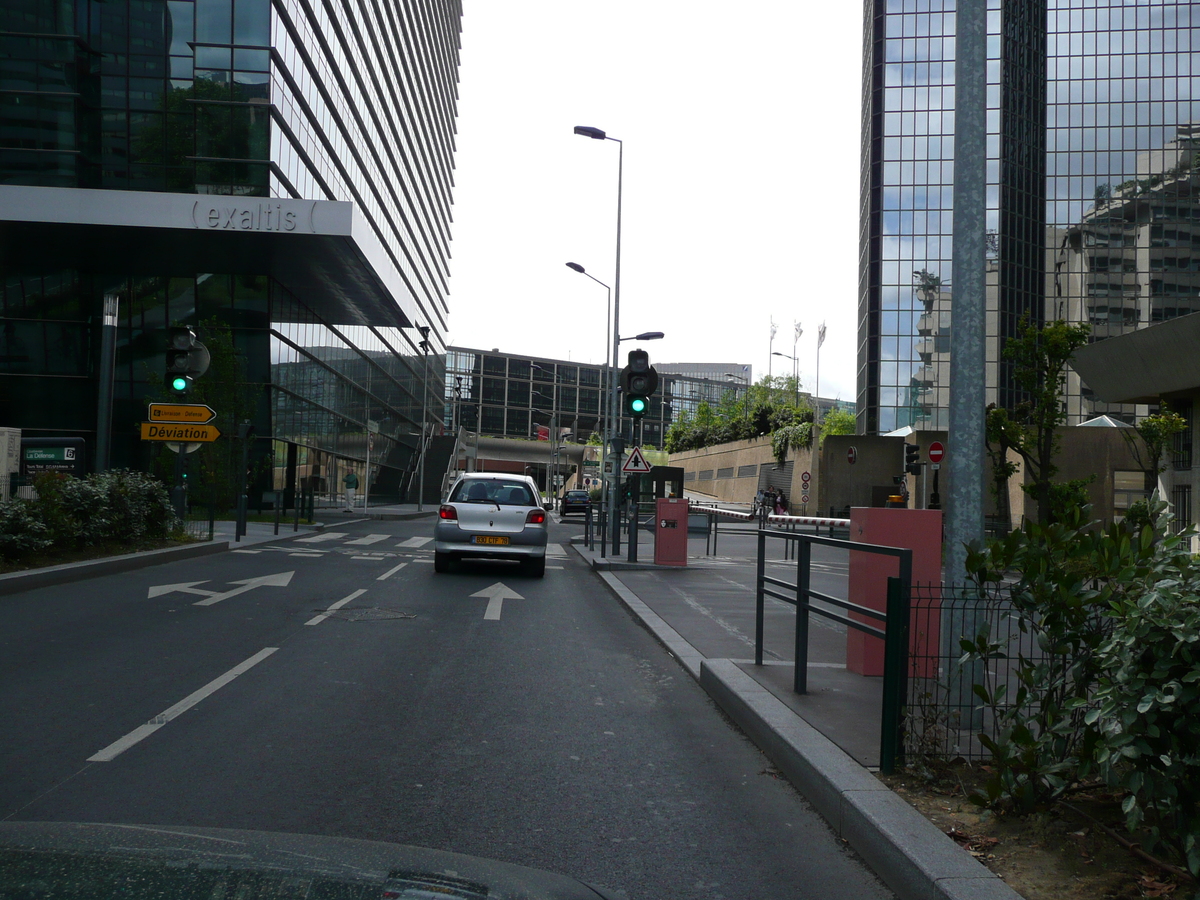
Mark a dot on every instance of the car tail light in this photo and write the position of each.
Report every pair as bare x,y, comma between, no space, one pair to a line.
535,517
448,512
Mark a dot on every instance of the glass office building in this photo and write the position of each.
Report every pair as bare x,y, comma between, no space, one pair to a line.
507,395
276,168
1093,111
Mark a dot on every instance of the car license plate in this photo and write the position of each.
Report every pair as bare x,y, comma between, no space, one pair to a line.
482,539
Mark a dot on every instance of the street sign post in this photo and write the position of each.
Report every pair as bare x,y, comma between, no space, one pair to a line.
171,431
187,413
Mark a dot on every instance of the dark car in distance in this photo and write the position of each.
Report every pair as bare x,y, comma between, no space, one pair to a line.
575,502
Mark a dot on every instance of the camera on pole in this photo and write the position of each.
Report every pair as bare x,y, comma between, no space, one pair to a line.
912,459
187,360
638,381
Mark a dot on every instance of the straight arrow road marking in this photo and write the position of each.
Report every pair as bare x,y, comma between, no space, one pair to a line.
369,539
496,595
318,619
119,746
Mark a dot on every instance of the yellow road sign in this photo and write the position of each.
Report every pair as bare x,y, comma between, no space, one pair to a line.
191,413
177,431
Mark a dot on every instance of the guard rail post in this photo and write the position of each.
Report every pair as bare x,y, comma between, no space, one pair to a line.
803,563
759,599
895,654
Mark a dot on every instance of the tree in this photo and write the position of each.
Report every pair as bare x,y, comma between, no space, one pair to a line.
838,421
1156,432
1040,356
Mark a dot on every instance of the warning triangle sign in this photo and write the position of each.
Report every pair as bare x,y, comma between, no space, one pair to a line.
636,464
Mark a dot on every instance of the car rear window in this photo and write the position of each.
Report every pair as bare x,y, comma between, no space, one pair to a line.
577,495
505,493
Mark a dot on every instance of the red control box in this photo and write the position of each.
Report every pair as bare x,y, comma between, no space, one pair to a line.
671,532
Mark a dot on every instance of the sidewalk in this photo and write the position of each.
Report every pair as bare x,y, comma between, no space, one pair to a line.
824,741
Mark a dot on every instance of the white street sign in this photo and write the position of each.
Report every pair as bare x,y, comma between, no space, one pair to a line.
210,597
496,595
636,464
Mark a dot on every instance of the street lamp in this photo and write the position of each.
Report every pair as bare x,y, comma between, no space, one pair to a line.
795,372
599,135
605,407
644,336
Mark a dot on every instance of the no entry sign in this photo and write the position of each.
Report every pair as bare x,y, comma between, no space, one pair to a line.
852,455
936,452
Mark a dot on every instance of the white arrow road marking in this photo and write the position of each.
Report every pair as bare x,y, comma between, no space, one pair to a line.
369,539
415,542
249,584
142,731
186,587
496,595
323,536
317,620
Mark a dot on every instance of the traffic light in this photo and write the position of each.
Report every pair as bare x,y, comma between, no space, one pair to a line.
912,459
187,360
638,381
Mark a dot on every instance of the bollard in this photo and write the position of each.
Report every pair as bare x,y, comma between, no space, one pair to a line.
278,504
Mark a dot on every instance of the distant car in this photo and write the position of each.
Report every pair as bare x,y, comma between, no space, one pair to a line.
492,516
575,501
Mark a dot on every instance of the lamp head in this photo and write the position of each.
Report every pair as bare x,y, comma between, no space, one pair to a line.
577,267
587,131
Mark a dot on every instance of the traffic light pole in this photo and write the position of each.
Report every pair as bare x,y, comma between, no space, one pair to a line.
104,399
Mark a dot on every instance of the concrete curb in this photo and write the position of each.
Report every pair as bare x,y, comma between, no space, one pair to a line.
907,851
15,582
904,848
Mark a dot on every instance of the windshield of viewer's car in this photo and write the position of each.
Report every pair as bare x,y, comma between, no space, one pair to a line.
504,493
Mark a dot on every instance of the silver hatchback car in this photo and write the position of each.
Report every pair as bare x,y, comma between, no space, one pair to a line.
494,516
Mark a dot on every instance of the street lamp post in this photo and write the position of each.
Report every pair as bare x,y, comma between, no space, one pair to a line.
599,135
606,407
795,372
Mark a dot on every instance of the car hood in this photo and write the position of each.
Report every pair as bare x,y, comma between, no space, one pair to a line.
137,862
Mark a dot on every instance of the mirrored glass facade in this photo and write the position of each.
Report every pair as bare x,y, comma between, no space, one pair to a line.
233,99
1092,114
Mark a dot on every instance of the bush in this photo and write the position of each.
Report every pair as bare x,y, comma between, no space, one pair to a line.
22,531
119,506
1148,711
1114,689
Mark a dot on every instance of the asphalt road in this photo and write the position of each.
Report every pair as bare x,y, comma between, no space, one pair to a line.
551,731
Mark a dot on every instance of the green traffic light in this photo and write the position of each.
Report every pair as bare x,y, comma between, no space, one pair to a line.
637,405
179,383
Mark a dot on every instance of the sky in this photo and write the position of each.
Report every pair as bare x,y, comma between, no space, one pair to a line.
740,127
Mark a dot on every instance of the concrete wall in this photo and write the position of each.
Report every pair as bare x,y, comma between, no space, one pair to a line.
750,458
834,482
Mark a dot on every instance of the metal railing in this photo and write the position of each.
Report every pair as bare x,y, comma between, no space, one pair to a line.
894,634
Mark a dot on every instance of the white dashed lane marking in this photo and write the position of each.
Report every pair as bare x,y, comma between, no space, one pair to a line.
415,542
323,536
369,539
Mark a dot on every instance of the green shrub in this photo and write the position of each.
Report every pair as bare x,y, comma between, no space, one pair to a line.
22,532
1148,710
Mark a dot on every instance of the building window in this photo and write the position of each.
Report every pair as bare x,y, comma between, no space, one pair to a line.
1181,450
1181,506
1128,488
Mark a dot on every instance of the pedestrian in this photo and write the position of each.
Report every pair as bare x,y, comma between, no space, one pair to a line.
351,483
781,504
